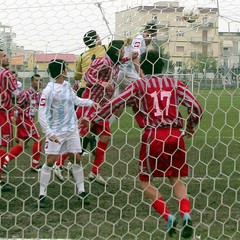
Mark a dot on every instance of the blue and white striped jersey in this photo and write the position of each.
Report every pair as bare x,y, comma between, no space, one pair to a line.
56,108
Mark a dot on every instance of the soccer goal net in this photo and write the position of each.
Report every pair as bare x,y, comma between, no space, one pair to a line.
199,45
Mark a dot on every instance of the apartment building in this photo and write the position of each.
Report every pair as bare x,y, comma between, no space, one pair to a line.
185,42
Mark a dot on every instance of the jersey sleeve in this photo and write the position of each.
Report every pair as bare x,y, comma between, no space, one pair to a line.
81,101
11,83
44,112
23,97
78,71
125,98
187,99
98,65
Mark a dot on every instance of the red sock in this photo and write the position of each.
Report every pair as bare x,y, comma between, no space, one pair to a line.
185,206
14,152
61,160
99,156
36,151
161,207
2,155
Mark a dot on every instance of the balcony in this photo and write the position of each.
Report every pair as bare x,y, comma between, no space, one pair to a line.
163,24
203,25
201,40
198,54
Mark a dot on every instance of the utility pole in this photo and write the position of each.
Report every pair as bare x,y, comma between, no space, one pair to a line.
6,39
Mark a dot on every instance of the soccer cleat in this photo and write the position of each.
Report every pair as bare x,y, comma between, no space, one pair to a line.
97,178
36,169
84,198
5,162
85,153
58,172
171,225
41,201
187,230
5,187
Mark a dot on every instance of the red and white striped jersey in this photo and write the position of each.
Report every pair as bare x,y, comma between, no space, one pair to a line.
28,101
156,101
8,88
101,70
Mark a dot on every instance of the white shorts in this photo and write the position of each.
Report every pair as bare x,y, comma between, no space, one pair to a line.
70,143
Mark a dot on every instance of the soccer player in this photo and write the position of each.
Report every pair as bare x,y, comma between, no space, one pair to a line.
95,50
129,70
28,101
162,152
58,120
8,90
101,80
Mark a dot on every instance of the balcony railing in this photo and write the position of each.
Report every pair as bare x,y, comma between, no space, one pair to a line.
197,54
201,40
203,25
162,24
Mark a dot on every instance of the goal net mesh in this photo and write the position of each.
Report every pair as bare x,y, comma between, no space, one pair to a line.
204,54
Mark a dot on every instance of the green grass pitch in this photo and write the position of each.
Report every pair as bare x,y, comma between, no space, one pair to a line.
120,211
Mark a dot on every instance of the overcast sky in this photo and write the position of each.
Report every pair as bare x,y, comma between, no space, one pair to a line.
59,25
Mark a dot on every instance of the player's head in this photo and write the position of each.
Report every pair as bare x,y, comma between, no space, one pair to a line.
150,31
91,39
57,68
36,81
116,50
4,62
151,62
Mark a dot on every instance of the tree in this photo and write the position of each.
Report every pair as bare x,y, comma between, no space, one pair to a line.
168,64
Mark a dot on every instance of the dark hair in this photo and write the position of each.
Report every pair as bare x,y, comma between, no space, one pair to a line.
151,62
89,38
34,76
150,27
113,48
56,67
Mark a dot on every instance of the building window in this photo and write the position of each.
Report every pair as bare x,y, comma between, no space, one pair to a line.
205,19
180,33
128,19
180,48
179,19
179,64
127,34
154,18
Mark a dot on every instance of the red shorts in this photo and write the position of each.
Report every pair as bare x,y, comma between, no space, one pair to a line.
101,128
26,128
6,129
162,154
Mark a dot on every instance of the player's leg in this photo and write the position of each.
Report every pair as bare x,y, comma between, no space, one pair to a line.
5,138
3,185
14,152
36,148
58,166
159,204
180,169
180,192
45,176
149,158
52,150
74,149
101,148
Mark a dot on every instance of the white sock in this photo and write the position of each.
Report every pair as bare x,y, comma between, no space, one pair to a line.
45,176
78,175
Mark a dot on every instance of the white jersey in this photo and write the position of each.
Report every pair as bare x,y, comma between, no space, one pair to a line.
138,45
128,73
57,115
